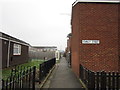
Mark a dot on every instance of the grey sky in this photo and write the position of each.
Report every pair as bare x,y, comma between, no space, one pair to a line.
38,22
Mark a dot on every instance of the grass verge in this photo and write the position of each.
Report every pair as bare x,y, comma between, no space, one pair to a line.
7,71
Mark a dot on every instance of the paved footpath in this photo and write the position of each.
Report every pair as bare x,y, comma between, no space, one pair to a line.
63,77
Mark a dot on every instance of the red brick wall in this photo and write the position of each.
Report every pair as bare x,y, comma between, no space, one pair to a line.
75,40
119,33
69,44
91,21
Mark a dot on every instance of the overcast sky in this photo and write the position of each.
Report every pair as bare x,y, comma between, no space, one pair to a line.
38,22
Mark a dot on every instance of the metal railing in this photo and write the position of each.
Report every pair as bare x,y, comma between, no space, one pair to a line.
100,80
20,79
25,77
45,68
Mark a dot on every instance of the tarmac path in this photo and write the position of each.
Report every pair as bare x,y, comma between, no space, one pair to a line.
63,77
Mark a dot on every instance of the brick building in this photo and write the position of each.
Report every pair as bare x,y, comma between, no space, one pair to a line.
68,49
96,35
12,51
42,52
69,42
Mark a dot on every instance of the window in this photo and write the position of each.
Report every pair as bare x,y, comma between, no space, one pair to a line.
48,49
51,50
17,49
44,50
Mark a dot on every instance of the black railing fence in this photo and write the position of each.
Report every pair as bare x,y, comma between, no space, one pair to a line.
45,67
20,79
100,80
25,77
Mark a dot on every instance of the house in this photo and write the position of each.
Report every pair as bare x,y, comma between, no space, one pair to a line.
95,35
12,50
68,49
42,52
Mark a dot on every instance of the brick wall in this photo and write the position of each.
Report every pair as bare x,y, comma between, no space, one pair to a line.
68,44
119,33
75,40
96,21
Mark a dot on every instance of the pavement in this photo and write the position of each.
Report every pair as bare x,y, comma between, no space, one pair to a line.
63,77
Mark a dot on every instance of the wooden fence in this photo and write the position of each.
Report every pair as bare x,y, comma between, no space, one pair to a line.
100,80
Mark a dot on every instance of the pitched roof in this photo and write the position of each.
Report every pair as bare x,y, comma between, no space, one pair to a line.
8,37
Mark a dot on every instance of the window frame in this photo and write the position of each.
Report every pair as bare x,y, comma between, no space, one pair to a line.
18,48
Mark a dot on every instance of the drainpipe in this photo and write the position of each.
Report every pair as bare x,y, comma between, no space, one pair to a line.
8,57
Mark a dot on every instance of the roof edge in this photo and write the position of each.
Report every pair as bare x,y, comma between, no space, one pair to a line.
13,39
97,1
44,46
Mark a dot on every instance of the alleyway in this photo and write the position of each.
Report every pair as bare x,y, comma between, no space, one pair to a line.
62,77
